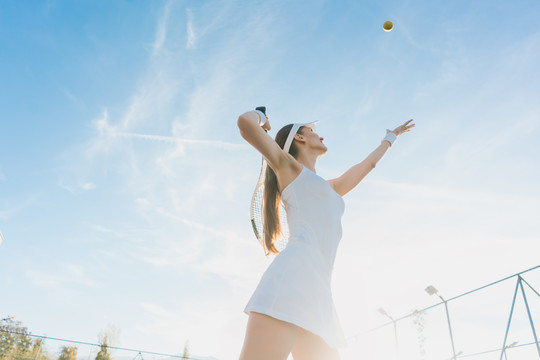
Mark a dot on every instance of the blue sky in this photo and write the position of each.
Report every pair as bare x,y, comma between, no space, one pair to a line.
125,185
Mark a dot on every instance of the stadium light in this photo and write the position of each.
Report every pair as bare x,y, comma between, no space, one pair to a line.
431,290
384,313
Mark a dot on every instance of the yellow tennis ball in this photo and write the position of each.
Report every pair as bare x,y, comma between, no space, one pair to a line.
388,26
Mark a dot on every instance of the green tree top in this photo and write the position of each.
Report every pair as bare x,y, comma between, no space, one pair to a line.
16,342
68,353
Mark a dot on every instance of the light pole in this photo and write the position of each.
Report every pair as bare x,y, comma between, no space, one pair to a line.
383,312
432,291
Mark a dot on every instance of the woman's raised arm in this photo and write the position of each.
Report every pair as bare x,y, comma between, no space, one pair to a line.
355,174
255,134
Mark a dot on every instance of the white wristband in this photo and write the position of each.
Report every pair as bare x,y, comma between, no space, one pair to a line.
390,137
262,117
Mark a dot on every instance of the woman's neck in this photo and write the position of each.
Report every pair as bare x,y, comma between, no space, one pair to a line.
308,160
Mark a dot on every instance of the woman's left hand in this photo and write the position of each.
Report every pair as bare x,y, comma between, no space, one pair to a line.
402,129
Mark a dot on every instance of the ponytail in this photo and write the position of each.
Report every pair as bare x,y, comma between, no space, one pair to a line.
272,197
272,224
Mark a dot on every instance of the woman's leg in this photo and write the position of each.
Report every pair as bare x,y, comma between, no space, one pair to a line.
309,346
268,338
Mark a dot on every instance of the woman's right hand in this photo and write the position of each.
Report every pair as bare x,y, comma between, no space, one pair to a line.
402,128
266,125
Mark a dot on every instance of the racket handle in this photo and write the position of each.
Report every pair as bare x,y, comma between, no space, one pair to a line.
263,110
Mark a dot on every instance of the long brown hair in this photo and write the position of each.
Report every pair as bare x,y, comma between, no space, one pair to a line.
272,196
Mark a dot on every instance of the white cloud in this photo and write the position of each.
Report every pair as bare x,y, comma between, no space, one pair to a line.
205,249
153,95
105,141
66,187
6,214
209,324
82,185
161,29
483,142
191,38
106,230
41,280
64,278
102,124
88,186
73,269
156,310
74,99
172,139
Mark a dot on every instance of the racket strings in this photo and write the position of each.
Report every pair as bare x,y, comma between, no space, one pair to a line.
257,221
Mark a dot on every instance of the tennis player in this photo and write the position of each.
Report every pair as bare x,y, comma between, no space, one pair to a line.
292,310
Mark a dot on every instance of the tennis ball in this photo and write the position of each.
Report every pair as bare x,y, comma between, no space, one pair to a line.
388,26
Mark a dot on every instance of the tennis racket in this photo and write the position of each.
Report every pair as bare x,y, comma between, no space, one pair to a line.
257,204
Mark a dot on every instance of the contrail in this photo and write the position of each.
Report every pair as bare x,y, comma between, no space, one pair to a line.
172,139
219,233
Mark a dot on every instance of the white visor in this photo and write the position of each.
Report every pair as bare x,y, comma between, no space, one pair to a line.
293,131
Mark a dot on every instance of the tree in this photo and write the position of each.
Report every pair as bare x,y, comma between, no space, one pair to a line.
186,350
418,321
16,342
106,338
68,353
103,354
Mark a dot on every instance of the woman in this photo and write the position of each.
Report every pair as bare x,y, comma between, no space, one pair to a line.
292,310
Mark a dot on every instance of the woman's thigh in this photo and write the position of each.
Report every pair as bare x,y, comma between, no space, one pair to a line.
268,338
309,346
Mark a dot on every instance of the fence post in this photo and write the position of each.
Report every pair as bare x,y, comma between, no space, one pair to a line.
529,314
510,318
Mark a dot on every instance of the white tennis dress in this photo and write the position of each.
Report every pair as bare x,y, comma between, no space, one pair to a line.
296,287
